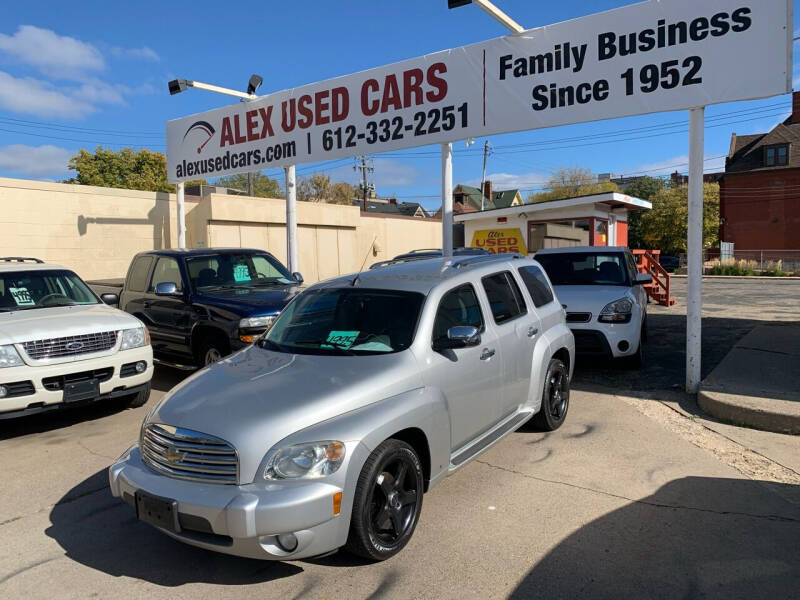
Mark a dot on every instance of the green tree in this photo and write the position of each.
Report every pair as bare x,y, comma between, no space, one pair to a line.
319,188
644,188
316,188
126,168
570,182
342,193
665,226
263,186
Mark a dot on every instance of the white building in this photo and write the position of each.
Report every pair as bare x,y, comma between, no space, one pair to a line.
594,220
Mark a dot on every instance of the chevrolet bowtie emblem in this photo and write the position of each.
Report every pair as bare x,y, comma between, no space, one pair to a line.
174,455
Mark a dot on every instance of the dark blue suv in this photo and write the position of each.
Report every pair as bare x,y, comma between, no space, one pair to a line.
202,304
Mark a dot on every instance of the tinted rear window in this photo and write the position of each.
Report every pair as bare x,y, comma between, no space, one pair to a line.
504,297
537,285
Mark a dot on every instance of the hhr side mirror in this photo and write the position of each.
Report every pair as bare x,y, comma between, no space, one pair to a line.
460,336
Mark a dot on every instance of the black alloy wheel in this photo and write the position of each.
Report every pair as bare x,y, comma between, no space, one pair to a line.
387,503
555,398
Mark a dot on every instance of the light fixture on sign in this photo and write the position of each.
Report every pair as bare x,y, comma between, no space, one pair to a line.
254,83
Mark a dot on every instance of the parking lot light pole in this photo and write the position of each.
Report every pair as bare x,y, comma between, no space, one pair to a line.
694,244
181,216
447,199
291,219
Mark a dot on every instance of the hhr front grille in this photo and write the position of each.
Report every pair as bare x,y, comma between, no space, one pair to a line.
187,454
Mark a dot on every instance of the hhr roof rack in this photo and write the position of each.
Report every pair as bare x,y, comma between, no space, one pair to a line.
21,259
473,260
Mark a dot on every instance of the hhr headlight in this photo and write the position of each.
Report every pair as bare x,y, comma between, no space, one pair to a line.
135,338
309,461
9,357
618,311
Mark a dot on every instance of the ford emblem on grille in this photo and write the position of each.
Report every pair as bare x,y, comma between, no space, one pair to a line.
173,455
74,346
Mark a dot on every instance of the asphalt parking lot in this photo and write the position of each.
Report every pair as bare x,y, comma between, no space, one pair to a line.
617,503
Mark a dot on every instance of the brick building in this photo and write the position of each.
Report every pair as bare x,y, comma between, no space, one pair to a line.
760,190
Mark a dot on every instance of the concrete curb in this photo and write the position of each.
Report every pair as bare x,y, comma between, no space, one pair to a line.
753,277
726,408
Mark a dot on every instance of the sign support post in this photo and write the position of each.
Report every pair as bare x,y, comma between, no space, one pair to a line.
181,215
291,220
447,199
694,243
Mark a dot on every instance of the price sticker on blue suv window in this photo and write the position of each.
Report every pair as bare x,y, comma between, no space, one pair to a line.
21,296
241,273
340,339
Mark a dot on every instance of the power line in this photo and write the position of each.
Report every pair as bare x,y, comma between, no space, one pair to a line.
60,127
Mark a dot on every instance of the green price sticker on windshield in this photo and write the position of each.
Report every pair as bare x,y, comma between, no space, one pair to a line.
241,273
341,339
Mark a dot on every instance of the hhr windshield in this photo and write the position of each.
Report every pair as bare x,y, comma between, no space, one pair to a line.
346,321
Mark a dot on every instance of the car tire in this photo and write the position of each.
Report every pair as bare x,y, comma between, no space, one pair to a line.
209,351
387,502
635,361
555,397
140,398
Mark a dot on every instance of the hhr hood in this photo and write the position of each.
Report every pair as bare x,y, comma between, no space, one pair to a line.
257,397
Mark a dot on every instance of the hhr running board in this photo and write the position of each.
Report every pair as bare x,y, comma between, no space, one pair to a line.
491,438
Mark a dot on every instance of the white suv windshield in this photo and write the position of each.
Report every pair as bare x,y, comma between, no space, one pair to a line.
346,321
26,290
585,268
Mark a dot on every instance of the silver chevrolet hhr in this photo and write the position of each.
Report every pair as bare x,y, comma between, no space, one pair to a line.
367,391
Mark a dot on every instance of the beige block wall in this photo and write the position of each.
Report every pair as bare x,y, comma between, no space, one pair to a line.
332,240
96,231
93,230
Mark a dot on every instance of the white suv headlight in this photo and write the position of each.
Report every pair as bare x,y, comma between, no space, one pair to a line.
9,357
618,311
257,322
312,460
135,338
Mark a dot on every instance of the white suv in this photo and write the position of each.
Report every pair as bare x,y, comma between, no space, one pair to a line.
61,345
603,293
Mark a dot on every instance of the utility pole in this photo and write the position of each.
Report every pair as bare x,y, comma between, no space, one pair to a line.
483,176
365,167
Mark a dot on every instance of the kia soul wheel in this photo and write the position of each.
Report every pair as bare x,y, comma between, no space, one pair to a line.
387,502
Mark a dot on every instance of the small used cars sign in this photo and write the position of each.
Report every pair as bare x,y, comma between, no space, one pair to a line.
499,241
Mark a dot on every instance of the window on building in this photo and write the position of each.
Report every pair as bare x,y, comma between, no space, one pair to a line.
776,156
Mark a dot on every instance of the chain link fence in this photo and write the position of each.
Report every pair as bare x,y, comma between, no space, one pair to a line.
777,263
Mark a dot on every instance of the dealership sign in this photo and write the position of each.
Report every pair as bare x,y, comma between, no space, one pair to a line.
649,57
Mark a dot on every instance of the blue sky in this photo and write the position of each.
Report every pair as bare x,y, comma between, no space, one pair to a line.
96,74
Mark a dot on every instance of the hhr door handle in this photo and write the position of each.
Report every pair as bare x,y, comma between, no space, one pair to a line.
532,331
487,353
